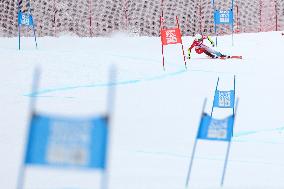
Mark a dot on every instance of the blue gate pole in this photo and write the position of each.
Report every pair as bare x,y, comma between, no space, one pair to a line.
235,103
212,109
228,150
234,94
194,148
233,30
32,105
19,36
110,107
215,28
233,23
226,163
216,39
19,28
191,163
32,22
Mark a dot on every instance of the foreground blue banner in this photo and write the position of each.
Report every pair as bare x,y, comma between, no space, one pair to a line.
56,141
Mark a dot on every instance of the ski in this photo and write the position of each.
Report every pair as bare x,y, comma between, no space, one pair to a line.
222,58
231,57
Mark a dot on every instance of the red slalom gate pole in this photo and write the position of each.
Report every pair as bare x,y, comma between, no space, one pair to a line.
55,11
238,19
276,16
162,14
90,12
161,27
260,15
200,21
163,56
162,6
125,5
181,44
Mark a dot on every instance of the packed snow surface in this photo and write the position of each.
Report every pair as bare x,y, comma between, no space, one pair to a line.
156,112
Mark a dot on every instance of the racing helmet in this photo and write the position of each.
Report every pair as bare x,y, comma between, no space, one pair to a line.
198,37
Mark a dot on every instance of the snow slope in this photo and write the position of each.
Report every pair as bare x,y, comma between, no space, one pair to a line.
156,112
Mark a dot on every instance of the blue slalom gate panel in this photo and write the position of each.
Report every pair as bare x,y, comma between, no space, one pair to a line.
64,142
223,17
224,99
25,19
214,129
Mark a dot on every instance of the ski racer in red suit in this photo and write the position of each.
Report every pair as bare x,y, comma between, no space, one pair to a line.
201,48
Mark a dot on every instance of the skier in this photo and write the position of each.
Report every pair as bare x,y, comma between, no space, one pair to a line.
201,48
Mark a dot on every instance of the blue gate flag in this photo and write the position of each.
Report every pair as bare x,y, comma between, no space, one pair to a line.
25,19
223,17
214,129
224,99
65,142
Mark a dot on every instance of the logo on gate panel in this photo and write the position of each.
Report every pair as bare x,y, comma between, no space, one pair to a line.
69,144
170,36
217,129
25,19
225,99
224,16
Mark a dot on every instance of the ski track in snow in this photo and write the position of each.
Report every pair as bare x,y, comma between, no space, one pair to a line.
126,82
